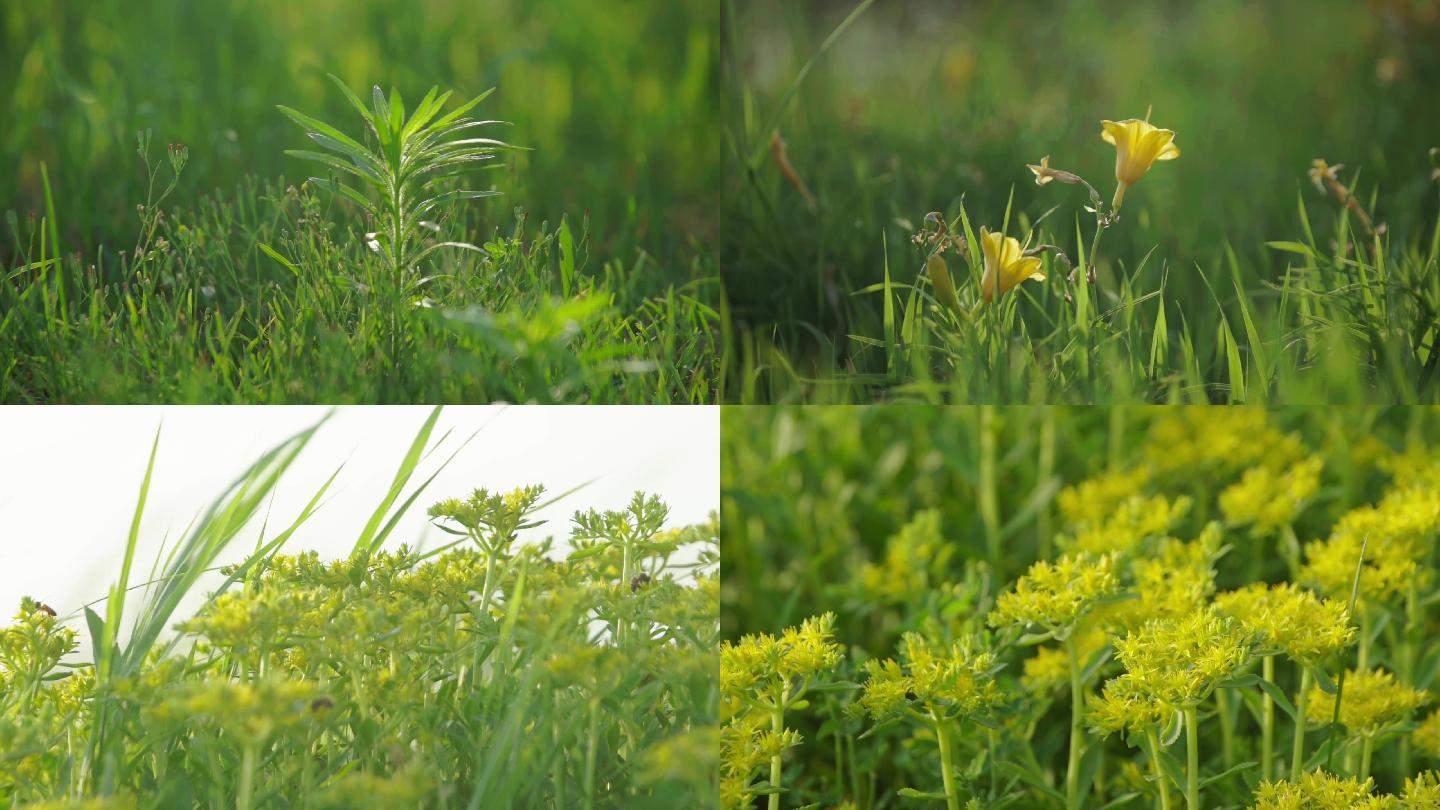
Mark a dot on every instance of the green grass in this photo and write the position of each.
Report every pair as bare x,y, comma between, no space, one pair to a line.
920,519
214,278
482,673
1228,278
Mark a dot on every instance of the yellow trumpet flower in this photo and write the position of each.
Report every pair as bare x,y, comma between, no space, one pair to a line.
1138,144
1006,265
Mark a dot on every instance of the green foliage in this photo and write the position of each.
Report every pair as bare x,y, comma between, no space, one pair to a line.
1208,660
388,679
869,147
596,283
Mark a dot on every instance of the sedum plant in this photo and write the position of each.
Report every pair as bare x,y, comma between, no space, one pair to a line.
761,678
396,176
939,687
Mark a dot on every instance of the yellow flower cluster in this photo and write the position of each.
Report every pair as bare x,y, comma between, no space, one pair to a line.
1268,499
911,556
1374,702
1134,521
1305,627
253,712
1126,704
1054,595
1178,662
1320,791
1323,791
1177,581
1427,736
951,681
1396,534
1092,501
758,665
1197,443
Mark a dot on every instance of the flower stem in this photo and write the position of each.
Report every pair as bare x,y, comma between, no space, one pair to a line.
1161,780
247,778
942,735
1227,728
777,725
1267,722
1192,759
1077,726
989,505
1367,747
1297,754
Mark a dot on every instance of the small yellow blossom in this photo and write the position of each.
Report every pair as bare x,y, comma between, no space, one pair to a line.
1178,662
1006,265
954,680
1091,501
1374,701
1305,627
1427,736
1138,144
1134,521
1054,595
1268,500
1320,791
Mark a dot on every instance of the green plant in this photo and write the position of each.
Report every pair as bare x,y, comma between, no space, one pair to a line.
402,169
1158,595
466,676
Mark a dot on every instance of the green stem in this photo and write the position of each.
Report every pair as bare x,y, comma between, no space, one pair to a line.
1046,470
1192,759
1367,747
989,506
1227,728
1077,725
1267,722
590,751
1407,658
777,725
247,778
1161,779
1297,754
942,734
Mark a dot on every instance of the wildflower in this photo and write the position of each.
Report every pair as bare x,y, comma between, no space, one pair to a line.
1175,582
1091,501
1267,499
1422,791
1055,595
769,669
940,277
1044,174
1179,661
1283,617
1126,705
914,557
1203,444
1395,535
1374,702
1426,736
1134,521
1006,265
1320,791
955,680
1138,145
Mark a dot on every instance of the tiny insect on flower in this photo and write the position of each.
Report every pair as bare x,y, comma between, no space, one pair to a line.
1138,144
1006,265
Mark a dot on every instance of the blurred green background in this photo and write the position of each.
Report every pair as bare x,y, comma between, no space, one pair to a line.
919,104
616,98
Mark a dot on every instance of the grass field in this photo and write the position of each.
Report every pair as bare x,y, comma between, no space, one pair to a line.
483,673
130,275
1128,607
1237,272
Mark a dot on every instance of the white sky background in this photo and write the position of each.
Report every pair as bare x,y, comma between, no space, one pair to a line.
69,477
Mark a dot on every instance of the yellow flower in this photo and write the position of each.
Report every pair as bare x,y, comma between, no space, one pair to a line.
1138,145
1374,702
1006,265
